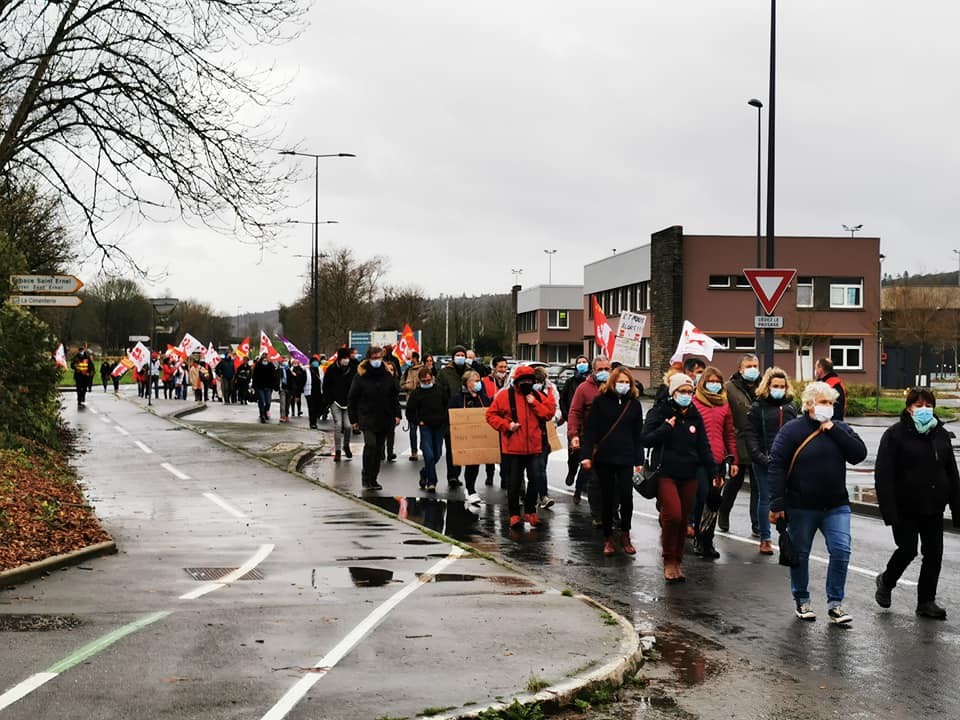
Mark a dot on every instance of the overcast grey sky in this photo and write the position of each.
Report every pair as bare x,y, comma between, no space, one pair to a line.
487,132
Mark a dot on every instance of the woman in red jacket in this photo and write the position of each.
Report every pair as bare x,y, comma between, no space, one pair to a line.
710,400
519,414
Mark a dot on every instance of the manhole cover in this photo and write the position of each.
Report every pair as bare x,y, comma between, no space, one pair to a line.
38,623
214,574
284,447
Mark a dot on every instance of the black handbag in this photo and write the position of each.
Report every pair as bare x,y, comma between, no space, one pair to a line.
647,481
789,557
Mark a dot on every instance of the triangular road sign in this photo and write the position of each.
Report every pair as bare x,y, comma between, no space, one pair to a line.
770,284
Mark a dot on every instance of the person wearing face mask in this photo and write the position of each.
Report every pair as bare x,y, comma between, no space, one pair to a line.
450,379
772,409
583,398
264,382
476,364
473,394
285,382
674,430
517,413
823,371
427,411
373,405
336,387
612,447
916,478
711,402
313,390
808,491
741,391
542,384
492,384
581,373
693,368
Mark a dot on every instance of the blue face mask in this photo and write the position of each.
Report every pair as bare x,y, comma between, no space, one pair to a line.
460,361
582,368
683,400
426,386
622,388
376,363
923,419
751,374
603,375
778,393
714,387
478,386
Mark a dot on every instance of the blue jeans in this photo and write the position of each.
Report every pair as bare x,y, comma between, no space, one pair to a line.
542,488
834,524
431,445
761,480
264,398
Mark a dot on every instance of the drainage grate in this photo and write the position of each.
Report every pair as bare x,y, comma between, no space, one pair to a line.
38,623
214,574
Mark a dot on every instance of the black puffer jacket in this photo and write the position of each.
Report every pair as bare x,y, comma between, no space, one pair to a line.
336,384
764,420
681,449
623,446
428,406
374,399
916,474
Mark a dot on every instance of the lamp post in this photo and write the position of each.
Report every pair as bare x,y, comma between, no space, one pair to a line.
879,336
753,102
771,166
550,254
853,229
315,256
160,307
316,223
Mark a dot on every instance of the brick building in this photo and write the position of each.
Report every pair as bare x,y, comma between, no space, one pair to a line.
550,323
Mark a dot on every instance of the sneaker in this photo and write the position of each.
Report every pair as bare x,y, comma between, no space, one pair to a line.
882,596
931,610
805,612
375,486
839,616
431,488
576,496
608,547
531,519
473,499
516,522
545,502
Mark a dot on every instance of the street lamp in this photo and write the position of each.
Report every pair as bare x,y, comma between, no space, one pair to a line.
853,229
161,307
550,254
315,256
753,102
517,272
316,222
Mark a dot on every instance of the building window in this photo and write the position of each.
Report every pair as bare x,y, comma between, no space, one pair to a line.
746,343
527,322
644,352
643,303
846,354
719,281
558,320
742,282
846,294
557,353
805,292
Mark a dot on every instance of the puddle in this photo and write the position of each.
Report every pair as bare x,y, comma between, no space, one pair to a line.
450,517
683,650
451,577
353,576
420,541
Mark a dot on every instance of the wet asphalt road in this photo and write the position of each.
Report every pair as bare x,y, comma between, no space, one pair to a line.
731,645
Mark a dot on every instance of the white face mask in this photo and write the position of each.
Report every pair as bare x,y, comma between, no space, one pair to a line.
823,412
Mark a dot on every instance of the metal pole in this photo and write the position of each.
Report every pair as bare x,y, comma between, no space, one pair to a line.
446,327
771,174
759,310
153,347
879,363
316,251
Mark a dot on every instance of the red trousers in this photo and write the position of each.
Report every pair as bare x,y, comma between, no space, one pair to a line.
676,499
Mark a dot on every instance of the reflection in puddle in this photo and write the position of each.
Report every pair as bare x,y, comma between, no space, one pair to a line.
339,577
683,651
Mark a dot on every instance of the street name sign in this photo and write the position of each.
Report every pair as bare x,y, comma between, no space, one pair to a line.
769,285
45,283
763,322
139,338
47,300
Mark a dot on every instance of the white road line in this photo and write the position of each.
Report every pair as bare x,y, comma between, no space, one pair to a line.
105,419
217,500
173,471
353,638
121,430
91,410
24,688
258,557
143,447
753,541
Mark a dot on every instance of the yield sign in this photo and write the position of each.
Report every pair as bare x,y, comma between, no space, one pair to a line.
770,284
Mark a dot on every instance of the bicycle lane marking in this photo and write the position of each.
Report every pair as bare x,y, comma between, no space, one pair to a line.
325,664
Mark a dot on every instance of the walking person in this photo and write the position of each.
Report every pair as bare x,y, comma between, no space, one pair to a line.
82,375
105,369
242,376
225,372
584,396
612,446
264,380
155,374
285,385
772,409
493,383
473,394
674,430
336,387
193,377
710,399
313,389
427,411
582,372
542,384
516,414
916,478
741,391
823,371
297,386
410,381
450,379
808,489
373,404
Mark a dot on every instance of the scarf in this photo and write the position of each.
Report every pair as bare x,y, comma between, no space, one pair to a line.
924,428
709,398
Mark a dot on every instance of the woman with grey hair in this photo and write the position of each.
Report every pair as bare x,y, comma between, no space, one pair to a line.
808,491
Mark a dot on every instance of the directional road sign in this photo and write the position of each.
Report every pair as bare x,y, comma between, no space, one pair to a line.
47,300
45,283
770,284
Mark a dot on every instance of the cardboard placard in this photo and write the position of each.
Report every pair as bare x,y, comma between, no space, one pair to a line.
473,441
553,437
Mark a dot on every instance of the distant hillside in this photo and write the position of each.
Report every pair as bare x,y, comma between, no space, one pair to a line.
927,279
252,323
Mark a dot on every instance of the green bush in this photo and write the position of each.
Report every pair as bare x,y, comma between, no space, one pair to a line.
29,404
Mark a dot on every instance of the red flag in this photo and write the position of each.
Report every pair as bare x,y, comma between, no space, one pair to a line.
267,347
242,353
407,343
601,330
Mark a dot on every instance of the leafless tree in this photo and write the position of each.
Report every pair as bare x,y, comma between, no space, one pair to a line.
145,105
916,315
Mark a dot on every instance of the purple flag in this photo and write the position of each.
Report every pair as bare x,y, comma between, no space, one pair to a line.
295,352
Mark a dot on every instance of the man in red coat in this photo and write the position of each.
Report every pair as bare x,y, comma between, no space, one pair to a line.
520,415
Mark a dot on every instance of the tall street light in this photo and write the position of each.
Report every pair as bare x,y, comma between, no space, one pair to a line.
753,102
771,165
315,256
316,221
550,254
957,253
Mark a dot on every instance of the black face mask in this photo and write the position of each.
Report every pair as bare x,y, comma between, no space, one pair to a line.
525,388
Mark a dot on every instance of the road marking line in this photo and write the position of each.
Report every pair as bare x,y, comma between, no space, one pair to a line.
753,541
353,638
143,447
37,680
173,471
258,557
105,419
121,430
217,500
91,410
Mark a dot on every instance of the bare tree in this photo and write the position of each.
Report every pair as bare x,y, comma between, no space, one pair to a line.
913,315
144,105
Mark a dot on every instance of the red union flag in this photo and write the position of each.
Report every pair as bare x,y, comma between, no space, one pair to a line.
407,343
242,352
267,347
60,357
602,331
121,367
694,342
139,355
190,345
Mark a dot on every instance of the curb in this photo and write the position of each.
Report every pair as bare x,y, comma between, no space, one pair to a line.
17,575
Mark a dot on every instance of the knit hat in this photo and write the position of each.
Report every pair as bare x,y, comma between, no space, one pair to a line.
343,353
523,371
458,349
678,381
